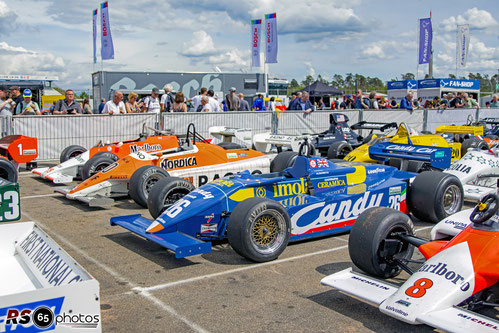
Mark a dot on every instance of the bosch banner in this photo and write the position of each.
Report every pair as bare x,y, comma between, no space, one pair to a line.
425,38
107,48
463,41
270,38
94,30
255,42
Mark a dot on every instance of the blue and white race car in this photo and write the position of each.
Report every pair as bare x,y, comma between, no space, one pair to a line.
260,214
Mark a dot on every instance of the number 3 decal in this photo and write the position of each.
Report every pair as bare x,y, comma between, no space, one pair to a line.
419,288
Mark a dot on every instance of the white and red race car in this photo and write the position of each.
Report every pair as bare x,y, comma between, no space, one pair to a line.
460,273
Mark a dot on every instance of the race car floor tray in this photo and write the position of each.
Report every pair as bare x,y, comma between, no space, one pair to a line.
42,288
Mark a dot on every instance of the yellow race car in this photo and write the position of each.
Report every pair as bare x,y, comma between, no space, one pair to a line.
459,138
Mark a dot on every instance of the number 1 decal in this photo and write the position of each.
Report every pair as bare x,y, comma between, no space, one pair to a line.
419,288
20,146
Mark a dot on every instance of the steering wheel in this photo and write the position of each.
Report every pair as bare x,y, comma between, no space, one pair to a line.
304,144
485,209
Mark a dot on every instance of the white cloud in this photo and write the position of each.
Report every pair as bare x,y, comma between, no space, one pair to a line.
387,49
201,45
8,19
310,68
29,62
476,18
230,60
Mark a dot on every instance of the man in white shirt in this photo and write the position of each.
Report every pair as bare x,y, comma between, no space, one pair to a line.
196,100
115,106
167,98
205,102
151,103
215,106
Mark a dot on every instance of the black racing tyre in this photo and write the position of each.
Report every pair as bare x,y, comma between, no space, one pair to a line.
259,229
434,195
70,152
372,243
230,145
97,163
473,143
282,161
142,182
338,149
166,192
8,170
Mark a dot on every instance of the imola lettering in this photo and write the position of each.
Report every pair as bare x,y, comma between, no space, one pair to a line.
334,212
145,147
286,189
461,168
179,163
442,270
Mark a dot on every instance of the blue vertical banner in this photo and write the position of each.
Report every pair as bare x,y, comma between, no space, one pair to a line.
107,48
425,39
463,41
256,26
270,38
94,30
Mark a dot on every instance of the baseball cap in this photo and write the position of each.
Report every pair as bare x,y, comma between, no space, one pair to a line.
349,96
27,93
155,90
3,88
15,88
232,89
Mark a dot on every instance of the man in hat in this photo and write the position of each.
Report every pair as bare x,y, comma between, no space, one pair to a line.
27,106
68,105
347,103
5,102
231,100
151,103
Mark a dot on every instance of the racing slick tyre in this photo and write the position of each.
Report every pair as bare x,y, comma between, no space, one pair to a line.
166,192
259,229
282,161
434,195
70,152
8,170
372,244
230,145
97,163
338,149
473,143
142,181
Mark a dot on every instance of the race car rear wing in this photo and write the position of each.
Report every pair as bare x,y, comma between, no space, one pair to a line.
474,130
438,157
36,273
490,120
225,134
373,126
264,141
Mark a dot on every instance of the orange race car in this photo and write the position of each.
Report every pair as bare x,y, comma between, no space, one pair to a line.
197,161
15,149
77,161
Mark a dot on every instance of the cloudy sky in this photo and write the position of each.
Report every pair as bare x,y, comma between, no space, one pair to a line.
327,37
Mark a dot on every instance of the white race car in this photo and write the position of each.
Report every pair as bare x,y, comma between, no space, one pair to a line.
460,273
478,171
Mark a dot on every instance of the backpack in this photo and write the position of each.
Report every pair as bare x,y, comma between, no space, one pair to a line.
169,102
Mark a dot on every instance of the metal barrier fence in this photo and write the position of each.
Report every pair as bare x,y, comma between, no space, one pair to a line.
54,133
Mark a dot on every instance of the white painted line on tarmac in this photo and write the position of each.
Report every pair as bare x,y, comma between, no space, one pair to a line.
41,196
235,270
116,275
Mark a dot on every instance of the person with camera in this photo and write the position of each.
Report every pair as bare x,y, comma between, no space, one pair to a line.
6,102
68,105
27,106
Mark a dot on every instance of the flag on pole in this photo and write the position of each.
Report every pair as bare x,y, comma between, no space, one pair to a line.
255,42
270,38
425,39
107,48
94,29
463,41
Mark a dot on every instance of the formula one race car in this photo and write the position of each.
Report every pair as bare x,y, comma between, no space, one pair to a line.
78,162
260,214
408,135
459,275
198,161
15,149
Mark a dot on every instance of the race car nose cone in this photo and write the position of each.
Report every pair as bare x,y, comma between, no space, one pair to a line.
154,227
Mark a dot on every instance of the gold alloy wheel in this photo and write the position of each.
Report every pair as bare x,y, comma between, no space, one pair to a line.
265,230
268,231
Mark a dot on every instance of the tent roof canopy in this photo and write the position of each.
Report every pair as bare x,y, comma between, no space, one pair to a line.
319,88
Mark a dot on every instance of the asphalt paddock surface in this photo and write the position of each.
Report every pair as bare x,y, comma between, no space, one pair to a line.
144,288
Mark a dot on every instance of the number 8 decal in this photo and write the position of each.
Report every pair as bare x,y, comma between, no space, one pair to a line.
419,288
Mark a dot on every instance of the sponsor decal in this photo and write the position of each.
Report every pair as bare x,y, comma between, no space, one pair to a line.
461,168
313,164
297,200
375,171
46,260
331,183
403,302
441,269
29,151
242,155
480,321
208,228
456,224
178,163
395,190
323,163
222,182
260,192
231,155
371,283
413,149
290,188
401,312
145,147
209,217
205,194
337,211
80,159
